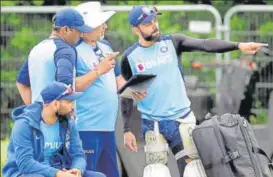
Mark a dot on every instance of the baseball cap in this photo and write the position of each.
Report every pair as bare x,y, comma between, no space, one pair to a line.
93,15
71,18
58,91
142,15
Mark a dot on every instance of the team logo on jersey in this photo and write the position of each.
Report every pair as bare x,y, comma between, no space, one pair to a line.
140,65
148,64
164,49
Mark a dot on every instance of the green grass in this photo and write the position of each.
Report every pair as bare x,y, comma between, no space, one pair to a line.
4,146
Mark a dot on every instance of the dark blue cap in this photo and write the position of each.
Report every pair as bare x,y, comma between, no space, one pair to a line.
142,15
58,91
71,18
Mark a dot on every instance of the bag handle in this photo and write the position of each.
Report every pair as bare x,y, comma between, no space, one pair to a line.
208,116
260,151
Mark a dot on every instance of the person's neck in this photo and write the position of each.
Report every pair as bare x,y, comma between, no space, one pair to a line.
55,34
93,43
145,43
49,117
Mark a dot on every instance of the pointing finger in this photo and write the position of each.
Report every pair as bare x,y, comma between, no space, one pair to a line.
264,44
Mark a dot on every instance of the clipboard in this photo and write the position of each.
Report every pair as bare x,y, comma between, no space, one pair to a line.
138,82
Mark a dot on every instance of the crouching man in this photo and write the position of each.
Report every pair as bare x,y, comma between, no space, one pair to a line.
44,141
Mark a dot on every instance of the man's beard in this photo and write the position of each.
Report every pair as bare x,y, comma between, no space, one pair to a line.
101,37
150,37
67,114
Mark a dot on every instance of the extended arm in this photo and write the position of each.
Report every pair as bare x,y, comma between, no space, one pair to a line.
185,44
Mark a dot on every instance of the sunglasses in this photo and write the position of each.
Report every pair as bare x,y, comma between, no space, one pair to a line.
146,11
68,91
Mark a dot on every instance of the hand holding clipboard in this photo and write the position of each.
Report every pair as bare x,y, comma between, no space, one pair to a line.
137,84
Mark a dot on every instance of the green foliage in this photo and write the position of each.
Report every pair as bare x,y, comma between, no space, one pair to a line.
261,117
37,3
267,27
24,32
265,30
73,3
4,146
8,3
8,75
237,23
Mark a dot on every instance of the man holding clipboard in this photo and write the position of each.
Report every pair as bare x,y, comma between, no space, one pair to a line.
166,101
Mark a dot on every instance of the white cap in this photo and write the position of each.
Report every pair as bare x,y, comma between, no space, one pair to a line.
93,15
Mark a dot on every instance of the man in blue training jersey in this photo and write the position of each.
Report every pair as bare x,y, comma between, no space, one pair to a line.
44,141
53,58
98,76
166,100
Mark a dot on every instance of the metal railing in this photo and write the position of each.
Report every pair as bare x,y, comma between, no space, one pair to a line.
256,26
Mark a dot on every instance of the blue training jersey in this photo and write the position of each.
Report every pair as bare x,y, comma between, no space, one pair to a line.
52,139
97,108
50,60
166,98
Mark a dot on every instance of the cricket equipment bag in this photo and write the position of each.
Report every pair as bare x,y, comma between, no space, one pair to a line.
228,147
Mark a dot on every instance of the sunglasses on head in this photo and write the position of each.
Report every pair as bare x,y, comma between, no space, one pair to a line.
68,91
146,11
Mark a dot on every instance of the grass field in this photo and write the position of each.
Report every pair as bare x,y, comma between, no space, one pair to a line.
4,146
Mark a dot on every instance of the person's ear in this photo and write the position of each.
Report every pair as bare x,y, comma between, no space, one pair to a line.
56,105
135,30
66,29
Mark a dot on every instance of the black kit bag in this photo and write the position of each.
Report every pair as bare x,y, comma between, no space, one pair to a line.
227,147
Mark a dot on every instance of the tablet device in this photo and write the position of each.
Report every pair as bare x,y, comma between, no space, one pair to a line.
138,82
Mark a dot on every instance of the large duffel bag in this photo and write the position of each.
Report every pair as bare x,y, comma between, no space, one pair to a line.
228,147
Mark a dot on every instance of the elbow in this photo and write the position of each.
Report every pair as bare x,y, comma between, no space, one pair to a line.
64,79
24,166
127,107
20,86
